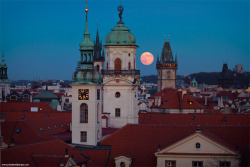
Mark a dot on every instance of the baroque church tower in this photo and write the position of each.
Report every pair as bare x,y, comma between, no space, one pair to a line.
166,68
120,77
4,81
86,96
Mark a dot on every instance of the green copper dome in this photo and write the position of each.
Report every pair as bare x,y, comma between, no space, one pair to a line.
120,35
87,76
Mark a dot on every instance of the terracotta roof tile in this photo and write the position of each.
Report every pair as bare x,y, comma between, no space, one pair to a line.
141,141
24,154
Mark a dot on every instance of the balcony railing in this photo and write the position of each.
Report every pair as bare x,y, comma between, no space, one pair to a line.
120,72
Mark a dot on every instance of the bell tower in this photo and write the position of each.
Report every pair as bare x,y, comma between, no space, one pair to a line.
166,68
4,81
120,77
86,96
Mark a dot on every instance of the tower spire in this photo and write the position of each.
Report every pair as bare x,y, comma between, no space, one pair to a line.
86,43
86,31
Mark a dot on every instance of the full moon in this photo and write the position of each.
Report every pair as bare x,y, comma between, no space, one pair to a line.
147,58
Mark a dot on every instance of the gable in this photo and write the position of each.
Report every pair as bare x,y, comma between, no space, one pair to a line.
197,144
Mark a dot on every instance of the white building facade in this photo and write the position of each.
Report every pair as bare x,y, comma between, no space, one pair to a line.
86,96
120,77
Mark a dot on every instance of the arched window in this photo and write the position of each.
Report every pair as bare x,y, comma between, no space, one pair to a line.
85,58
107,66
84,113
129,65
97,68
118,64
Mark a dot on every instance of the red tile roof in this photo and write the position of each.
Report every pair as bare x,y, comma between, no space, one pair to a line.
23,106
194,119
172,99
31,115
141,141
39,153
107,131
34,130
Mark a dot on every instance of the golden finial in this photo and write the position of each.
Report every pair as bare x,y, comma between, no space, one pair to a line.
86,10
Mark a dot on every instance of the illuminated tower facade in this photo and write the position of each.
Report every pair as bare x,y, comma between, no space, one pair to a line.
86,96
120,77
166,68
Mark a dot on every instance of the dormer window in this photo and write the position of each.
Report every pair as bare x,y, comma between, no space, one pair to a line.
123,161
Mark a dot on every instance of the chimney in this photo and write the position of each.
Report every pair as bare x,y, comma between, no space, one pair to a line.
150,102
66,153
198,129
62,162
159,100
205,100
159,147
184,91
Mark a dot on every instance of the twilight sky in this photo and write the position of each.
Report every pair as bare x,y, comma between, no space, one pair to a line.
40,38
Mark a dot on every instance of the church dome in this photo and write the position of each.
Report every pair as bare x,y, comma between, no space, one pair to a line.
87,76
120,35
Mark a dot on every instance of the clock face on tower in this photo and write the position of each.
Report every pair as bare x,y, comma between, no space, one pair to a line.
168,72
83,94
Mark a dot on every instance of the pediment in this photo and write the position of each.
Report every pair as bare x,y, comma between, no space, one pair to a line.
197,144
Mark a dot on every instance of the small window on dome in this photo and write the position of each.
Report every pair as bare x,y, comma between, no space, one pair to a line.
117,94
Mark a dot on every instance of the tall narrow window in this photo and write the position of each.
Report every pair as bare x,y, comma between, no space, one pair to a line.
97,68
98,94
117,112
134,63
118,64
107,66
83,136
84,113
129,65
98,113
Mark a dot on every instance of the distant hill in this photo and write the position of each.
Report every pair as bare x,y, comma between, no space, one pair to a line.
240,80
